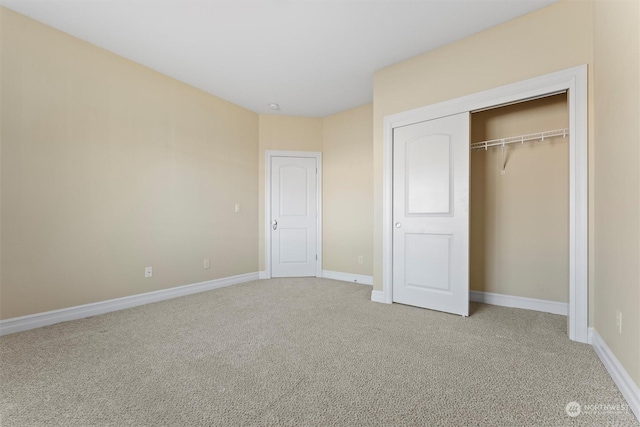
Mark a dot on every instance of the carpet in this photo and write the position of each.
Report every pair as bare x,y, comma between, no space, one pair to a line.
300,352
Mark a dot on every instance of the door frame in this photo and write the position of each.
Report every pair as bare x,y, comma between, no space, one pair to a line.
574,82
268,154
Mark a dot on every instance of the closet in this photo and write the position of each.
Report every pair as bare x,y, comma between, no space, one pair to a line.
519,200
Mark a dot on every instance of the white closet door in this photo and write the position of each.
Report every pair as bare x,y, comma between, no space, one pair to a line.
431,214
293,216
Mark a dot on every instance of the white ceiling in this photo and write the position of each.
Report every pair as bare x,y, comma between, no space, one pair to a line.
312,57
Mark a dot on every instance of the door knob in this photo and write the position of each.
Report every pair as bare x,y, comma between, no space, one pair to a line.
275,224
398,225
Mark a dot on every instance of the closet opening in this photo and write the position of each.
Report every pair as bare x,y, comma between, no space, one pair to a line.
519,205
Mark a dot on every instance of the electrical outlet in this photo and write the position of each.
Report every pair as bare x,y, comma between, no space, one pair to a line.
206,263
148,272
237,207
360,259
619,321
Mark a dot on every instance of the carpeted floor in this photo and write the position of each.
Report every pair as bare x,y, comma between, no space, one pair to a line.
303,352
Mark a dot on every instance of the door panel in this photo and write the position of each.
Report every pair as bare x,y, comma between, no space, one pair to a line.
293,191
427,258
293,216
431,214
295,247
427,175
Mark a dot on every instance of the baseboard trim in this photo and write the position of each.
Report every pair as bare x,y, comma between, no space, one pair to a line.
262,275
378,296
347,277
627,386
38,320
554,307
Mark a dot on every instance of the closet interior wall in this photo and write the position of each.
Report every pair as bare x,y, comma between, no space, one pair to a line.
519,225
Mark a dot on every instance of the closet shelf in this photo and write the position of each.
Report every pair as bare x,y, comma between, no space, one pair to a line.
540,136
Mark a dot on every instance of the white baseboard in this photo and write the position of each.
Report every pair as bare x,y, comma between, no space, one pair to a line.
627,386
378,296
38,320
520,302
263,275
347,277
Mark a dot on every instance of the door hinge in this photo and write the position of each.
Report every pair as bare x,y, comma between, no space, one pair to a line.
316,257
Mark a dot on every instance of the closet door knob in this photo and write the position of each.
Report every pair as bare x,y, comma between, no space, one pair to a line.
398,225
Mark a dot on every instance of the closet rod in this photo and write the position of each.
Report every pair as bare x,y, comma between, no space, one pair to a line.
519,139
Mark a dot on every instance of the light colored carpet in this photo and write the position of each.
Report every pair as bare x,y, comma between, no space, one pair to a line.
302,352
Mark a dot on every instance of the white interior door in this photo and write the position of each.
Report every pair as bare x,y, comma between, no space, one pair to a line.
293,216
431,214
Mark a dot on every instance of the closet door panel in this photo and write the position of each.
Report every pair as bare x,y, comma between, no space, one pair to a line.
427,259
427,177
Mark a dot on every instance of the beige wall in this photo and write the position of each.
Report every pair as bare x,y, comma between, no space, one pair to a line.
348,191
617,185
286,133
109,167
504,54
132,169
520,220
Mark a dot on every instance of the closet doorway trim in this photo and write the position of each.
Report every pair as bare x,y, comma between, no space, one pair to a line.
574,82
